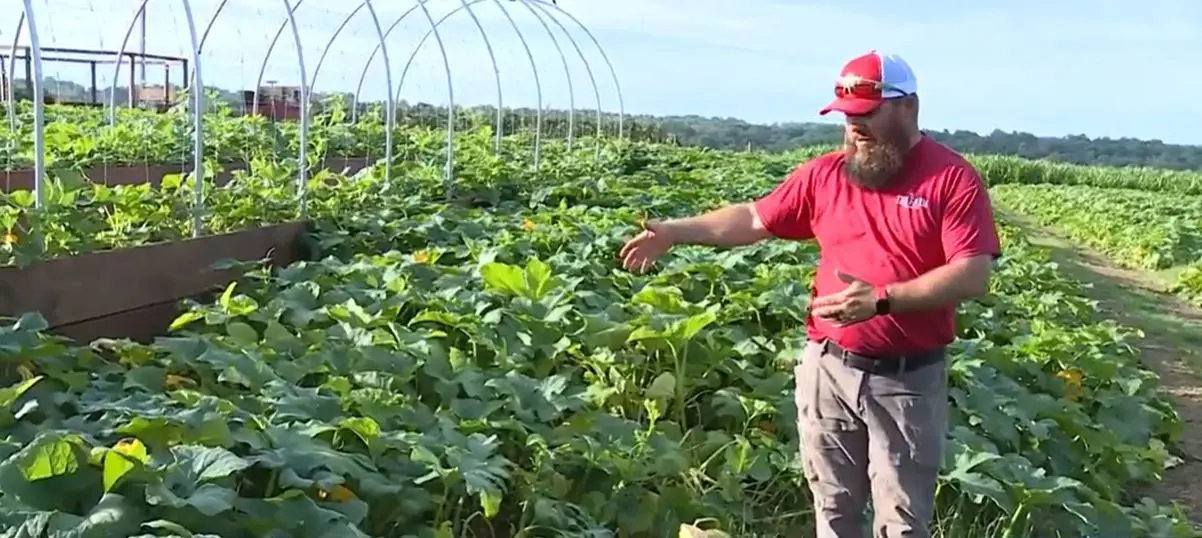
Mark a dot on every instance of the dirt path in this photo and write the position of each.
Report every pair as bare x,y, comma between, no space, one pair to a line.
1172,347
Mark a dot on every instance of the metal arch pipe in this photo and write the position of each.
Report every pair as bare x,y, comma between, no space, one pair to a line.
538,86
117,60
321,60
588,69
209,26
366,66
525,45
271,48
464,5
563,59
198,107
390,114
601,50
204,37
39,111
567,72
496,71
446,66
387,75
11,76
302,174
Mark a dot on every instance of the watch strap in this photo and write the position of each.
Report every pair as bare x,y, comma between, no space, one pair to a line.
883,303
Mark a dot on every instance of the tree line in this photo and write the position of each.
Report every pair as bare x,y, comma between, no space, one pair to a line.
735,134
731,133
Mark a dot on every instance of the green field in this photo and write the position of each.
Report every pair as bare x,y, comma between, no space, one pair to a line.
1149,230
483,367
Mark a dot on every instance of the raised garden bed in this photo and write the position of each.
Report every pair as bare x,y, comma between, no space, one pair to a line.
134,292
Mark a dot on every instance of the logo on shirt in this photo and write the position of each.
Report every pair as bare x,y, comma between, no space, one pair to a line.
910,201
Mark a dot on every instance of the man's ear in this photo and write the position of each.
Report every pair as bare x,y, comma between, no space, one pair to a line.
912,105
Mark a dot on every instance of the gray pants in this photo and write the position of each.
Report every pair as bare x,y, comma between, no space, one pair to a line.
877,436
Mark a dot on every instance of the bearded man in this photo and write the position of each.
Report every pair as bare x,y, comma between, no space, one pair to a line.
906,233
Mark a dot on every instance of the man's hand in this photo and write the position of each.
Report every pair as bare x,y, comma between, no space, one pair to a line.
856,303
730,226
640,253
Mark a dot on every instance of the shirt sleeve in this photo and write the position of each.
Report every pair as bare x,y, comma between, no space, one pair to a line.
786,212
968,226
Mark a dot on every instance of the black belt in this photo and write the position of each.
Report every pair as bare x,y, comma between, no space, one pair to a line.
884,365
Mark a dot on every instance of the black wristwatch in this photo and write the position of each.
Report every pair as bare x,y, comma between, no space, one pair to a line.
882,301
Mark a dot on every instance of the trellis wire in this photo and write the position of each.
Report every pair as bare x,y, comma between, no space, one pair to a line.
196,87
538,85
600,50
495,70
546,8
448,176
383,47
305,91
587,69
465,5
567,73
540,9
129,31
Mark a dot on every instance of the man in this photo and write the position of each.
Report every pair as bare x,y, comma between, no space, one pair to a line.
906,233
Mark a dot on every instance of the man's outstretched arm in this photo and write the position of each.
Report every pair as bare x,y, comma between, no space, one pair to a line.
783,213
730,226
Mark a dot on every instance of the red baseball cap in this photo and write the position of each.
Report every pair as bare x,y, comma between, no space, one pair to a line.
869,80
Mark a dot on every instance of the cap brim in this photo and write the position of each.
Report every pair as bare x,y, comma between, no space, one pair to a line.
853,106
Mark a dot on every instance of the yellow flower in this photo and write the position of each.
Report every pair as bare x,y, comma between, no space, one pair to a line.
528,225
1072,380
338,494
10,238
421,256
173,381
1071,376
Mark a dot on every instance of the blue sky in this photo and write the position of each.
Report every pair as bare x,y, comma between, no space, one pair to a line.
1100,68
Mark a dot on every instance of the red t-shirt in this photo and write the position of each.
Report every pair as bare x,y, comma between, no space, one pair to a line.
937,211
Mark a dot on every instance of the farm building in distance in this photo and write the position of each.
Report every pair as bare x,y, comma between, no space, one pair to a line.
275,102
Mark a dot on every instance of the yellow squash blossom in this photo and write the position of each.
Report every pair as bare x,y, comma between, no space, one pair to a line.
337,494
1072,378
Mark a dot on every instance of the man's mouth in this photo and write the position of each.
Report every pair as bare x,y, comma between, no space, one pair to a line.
861,137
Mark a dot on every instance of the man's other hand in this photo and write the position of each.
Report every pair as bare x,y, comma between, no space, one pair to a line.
640,253
856,303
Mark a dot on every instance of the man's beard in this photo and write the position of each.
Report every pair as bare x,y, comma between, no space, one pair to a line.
875,166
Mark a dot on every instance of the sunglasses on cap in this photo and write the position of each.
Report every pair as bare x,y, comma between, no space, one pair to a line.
857,87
